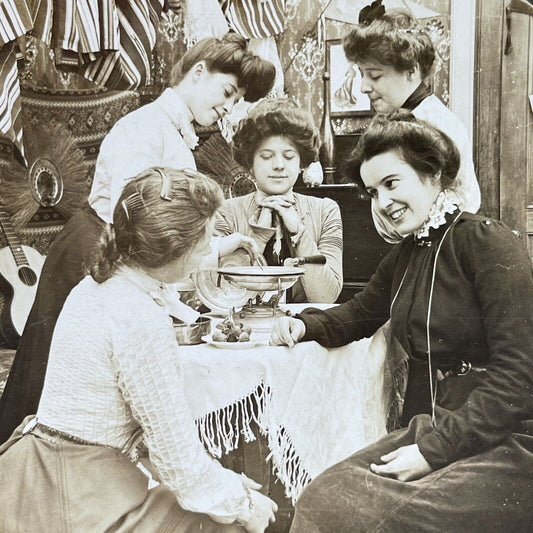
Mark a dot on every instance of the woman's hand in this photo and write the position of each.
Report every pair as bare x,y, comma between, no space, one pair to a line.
263,508
404,464
287,330
230,243
262,513
285,208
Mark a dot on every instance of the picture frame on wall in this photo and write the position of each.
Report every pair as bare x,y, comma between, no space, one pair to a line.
345,96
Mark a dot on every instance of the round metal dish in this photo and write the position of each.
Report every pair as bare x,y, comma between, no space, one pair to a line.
192,333
266,278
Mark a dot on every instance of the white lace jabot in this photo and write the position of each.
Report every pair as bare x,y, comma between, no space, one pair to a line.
444,204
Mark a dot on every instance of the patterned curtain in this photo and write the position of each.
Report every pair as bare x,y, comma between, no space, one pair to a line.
15,21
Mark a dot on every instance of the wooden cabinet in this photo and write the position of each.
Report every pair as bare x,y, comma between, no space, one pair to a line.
363,248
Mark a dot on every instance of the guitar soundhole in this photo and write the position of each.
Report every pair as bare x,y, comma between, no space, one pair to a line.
27,276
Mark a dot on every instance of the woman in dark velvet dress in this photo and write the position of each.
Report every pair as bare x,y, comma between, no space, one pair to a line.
458,291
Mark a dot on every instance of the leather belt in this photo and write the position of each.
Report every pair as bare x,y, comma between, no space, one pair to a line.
133,449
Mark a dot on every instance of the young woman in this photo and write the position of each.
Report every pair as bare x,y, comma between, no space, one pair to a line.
459,294
210,77
275,142
113,373
395,57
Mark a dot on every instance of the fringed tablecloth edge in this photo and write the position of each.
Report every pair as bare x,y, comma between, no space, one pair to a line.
220,435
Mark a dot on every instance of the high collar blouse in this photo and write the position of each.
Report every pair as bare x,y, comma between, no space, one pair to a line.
156,134
114,366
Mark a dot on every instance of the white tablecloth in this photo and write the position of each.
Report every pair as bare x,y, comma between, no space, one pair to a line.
316,405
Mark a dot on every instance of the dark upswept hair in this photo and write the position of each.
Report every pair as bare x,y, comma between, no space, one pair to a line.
394,40
161,215
280,116
421,145
229,55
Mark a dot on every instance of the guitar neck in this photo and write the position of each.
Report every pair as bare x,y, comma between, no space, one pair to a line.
12,239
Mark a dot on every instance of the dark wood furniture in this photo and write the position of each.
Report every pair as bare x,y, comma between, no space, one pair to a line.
363,248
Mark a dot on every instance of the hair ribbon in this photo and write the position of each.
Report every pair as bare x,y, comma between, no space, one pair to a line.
372,12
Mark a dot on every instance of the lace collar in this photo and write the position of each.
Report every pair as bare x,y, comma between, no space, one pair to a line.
443,205
163,294
180,116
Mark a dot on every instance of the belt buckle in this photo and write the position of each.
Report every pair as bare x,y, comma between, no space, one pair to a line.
461,369
464,368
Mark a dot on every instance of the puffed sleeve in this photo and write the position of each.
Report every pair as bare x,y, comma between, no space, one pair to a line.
323,283
498,266
359,317
150,379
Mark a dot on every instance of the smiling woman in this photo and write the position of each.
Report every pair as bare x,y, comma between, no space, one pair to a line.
399,192
458,292
395,58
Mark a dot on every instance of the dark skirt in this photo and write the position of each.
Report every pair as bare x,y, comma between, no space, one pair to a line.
65,266
490,491
71,487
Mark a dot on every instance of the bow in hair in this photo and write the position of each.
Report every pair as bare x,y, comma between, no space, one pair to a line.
371,13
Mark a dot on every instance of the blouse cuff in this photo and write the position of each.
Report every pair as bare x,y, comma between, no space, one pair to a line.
210,261
247,511
295,237
253,224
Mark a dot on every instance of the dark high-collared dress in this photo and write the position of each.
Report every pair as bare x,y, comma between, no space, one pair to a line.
462,295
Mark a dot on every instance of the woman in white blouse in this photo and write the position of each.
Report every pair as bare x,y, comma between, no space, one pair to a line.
208,80
113,375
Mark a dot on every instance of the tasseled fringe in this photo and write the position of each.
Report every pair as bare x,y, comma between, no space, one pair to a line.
399,377
286,464
220,432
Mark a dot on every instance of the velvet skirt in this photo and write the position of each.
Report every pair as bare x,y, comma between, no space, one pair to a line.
62,486
490,491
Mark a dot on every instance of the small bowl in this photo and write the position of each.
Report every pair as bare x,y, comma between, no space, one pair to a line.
192,333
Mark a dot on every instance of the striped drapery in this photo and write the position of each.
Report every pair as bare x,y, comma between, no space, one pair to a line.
255,18
15,21
10,118
110,40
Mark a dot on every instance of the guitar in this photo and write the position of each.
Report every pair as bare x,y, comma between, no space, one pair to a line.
20,268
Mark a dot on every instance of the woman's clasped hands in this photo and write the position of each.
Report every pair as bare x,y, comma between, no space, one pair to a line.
284,207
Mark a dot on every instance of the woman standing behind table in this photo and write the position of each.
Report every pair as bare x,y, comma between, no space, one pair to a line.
113,373
459,294
275,141
210,77
395,57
